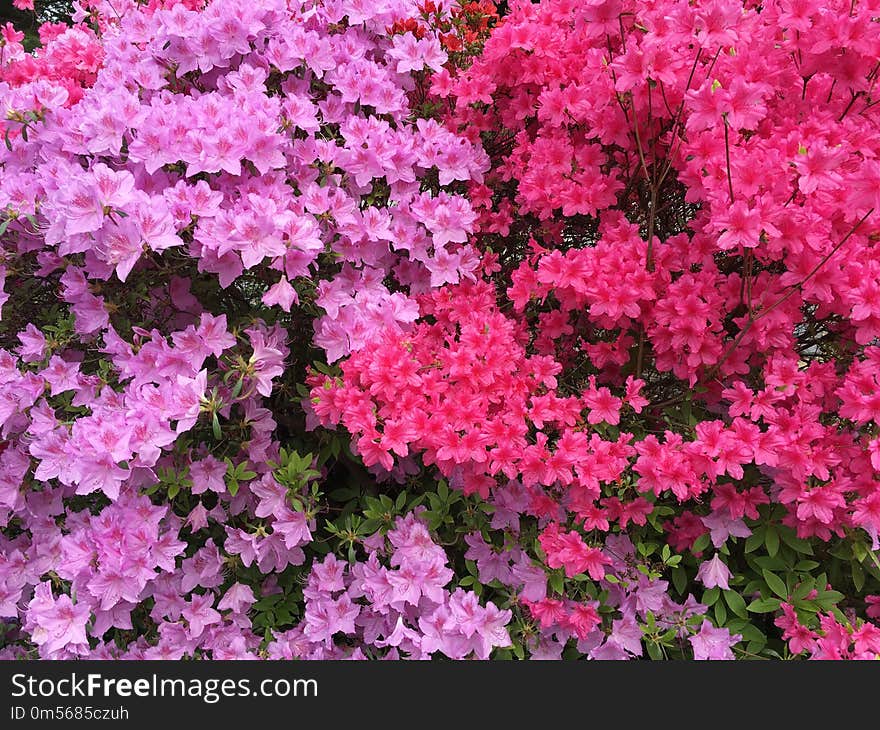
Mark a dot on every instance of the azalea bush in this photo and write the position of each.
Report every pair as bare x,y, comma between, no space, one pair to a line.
393,329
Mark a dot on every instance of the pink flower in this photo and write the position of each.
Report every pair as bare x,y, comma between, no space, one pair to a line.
238,599
57,626
712,643
282,294
267,358
208,474
199,614
714,573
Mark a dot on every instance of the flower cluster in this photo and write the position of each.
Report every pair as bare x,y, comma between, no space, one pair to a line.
66,63
690,266
392,329
395,601
163,161
834,640
261,141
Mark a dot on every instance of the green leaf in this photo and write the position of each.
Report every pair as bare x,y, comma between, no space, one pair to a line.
370,525
827,599
803,589
701,543
232,487
4,225
268,602
859,551
710,596
858,577
215,426
720,613
557,582
754,647
765,562
794,542
764,605
802,606
771,540
875,568
752,633
284,616
755,540
679,580
669,636
775,583
737,603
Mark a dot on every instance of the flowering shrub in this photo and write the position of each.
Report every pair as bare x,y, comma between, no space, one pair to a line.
678,346
396,330
203,188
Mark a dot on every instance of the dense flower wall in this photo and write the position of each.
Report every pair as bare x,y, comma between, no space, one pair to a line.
378,329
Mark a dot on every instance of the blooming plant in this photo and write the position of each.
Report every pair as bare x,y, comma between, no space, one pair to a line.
386,329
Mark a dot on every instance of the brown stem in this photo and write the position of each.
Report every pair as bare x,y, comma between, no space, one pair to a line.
850,105
750,280
652,217
676,121
785,297
640,355
727,157
831,91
